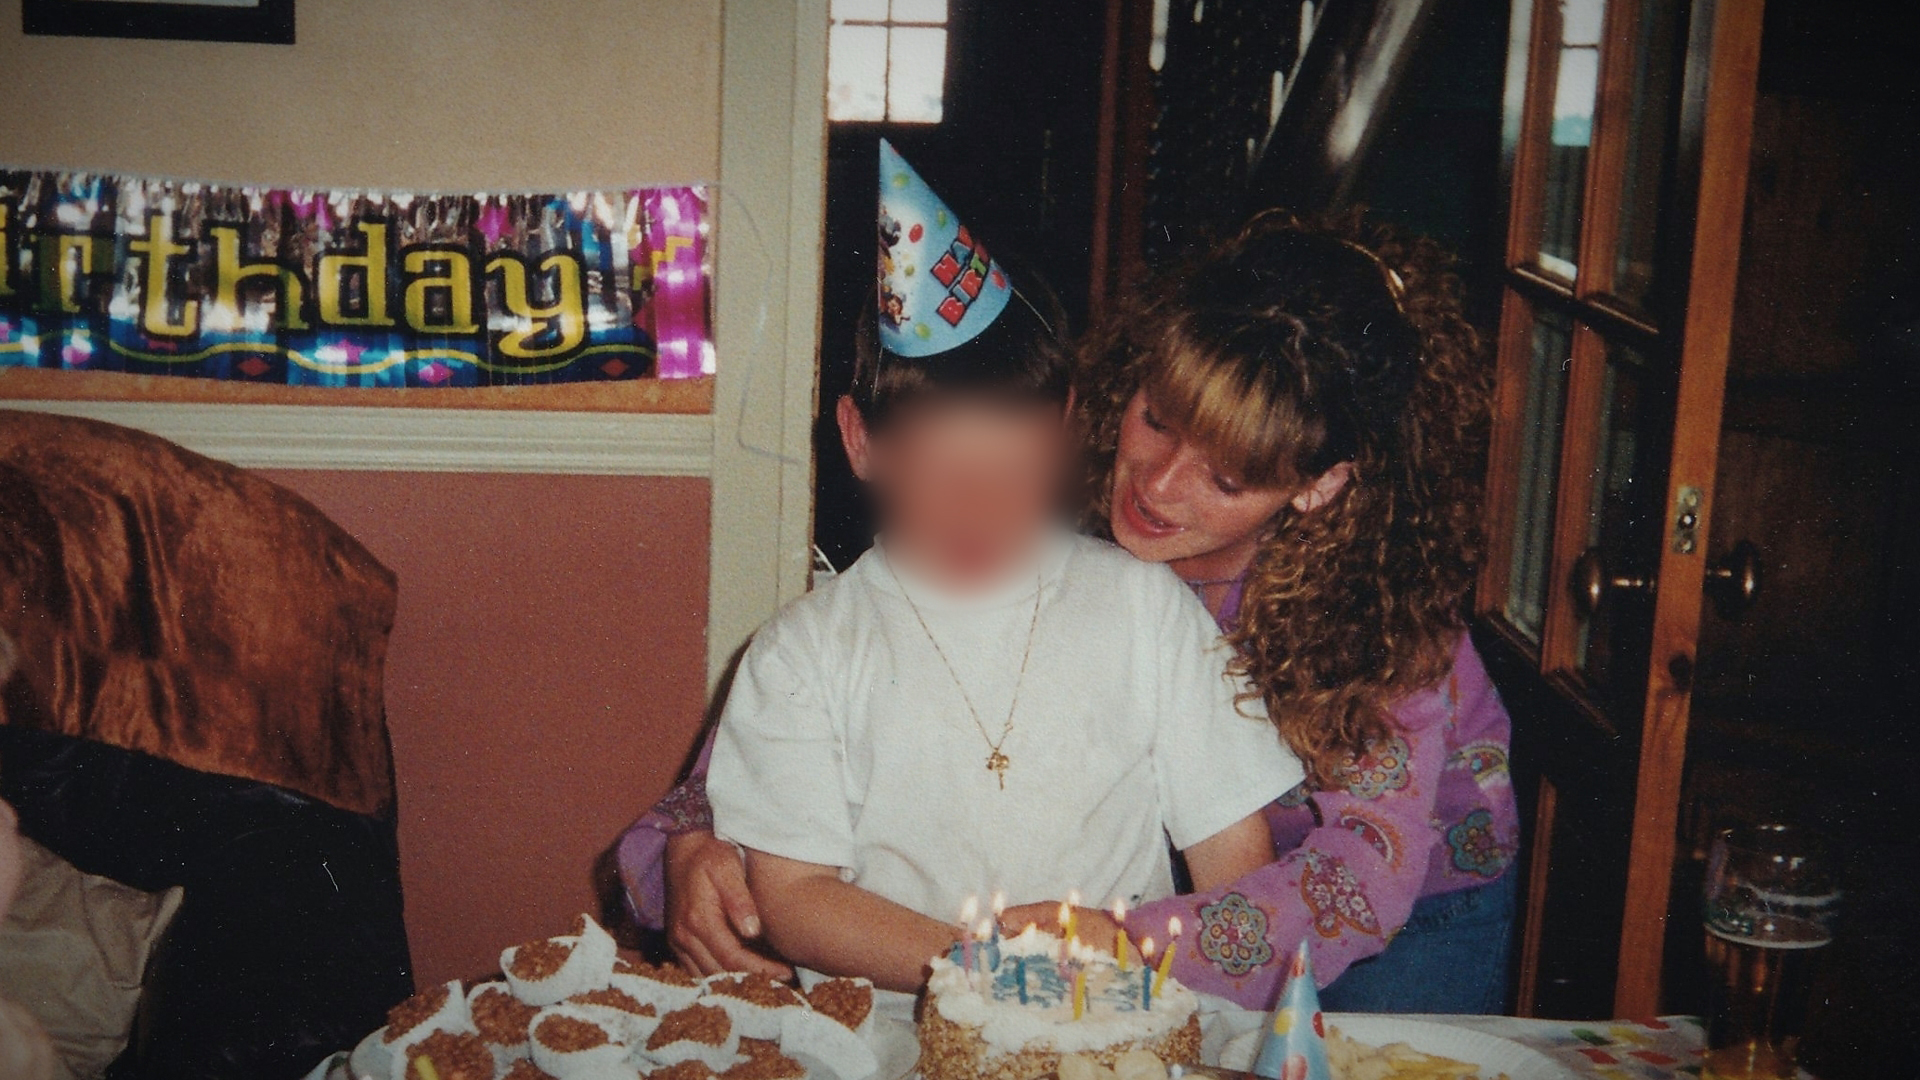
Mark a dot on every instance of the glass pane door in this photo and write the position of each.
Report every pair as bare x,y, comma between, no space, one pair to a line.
1536,473
1653,86
1626,493
1576,85
1587,566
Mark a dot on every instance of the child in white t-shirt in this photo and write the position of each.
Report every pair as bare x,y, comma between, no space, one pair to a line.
984,702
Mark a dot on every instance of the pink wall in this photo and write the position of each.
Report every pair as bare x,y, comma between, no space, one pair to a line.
545,679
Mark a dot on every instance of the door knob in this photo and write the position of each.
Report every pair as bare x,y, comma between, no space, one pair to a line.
1593,583
1733,580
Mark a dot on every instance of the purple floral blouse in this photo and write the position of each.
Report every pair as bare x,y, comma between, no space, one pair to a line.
1429,811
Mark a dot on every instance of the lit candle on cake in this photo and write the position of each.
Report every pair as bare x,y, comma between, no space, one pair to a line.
1120,941
1146,973
999,909
1065,918
989,945
1020,973
1173,946
1072,923
1079,994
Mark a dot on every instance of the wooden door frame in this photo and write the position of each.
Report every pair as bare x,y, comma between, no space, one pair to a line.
1117,251
1716,103
1732,58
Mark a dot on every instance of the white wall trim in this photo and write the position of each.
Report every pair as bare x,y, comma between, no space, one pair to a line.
416,440
771,211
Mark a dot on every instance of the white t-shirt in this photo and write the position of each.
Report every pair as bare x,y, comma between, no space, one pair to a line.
845,742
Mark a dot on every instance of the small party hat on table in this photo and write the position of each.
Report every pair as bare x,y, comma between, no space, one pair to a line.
1295,1047
939,288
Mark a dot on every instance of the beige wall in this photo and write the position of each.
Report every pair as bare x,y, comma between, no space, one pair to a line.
547,669
498,95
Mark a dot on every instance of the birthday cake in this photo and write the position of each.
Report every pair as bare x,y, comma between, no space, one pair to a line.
1013,1012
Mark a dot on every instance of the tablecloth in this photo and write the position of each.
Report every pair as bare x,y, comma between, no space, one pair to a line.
1669,1048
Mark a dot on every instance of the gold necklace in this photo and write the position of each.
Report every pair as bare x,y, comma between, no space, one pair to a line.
997,761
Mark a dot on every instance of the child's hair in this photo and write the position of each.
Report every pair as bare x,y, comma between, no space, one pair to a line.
1285,351
1021,356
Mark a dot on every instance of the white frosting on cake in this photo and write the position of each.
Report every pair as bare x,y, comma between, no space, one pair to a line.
988,998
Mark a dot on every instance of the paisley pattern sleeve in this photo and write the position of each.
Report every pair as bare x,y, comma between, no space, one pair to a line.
1348,886
642,851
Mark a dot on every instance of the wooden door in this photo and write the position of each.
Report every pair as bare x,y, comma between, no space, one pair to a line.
1628,128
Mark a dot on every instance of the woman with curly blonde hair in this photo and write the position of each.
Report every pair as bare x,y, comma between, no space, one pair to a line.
1296,423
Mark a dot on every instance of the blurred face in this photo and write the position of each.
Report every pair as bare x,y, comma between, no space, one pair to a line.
1171,504
966,488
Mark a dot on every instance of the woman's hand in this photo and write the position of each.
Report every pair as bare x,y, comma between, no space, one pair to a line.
711,915
1091,925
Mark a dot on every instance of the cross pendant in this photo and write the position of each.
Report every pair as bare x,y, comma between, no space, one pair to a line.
997,762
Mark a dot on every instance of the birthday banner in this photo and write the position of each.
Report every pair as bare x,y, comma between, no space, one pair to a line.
352,288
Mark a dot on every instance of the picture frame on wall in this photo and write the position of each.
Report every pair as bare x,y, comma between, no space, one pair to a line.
262,22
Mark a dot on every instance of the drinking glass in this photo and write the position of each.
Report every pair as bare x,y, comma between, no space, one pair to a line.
1770,904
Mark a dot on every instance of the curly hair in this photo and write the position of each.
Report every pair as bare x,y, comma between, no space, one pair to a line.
1283,352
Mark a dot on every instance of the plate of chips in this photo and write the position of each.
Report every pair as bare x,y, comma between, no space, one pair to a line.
1370,1047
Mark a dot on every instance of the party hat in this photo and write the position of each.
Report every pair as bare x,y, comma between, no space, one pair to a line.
1296,1044
938,286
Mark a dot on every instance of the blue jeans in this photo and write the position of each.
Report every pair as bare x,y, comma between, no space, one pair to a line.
1451,957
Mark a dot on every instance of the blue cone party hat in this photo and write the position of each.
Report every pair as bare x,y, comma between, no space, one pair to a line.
938,286
1296,1044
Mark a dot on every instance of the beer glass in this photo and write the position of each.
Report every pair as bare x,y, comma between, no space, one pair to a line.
1770,903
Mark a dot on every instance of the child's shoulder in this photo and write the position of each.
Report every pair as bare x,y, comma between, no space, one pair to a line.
824,610
1096,558
1123,587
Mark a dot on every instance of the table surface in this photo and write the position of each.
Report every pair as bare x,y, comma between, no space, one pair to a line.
1665,1049
1669,1048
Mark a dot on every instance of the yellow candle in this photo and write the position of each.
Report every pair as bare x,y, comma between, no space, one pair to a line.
1120,951
1066,920
1079,994
1166,965
1166,959
424,1066
1073,916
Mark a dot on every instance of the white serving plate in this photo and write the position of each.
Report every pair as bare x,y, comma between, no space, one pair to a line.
371,1059
897,1044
